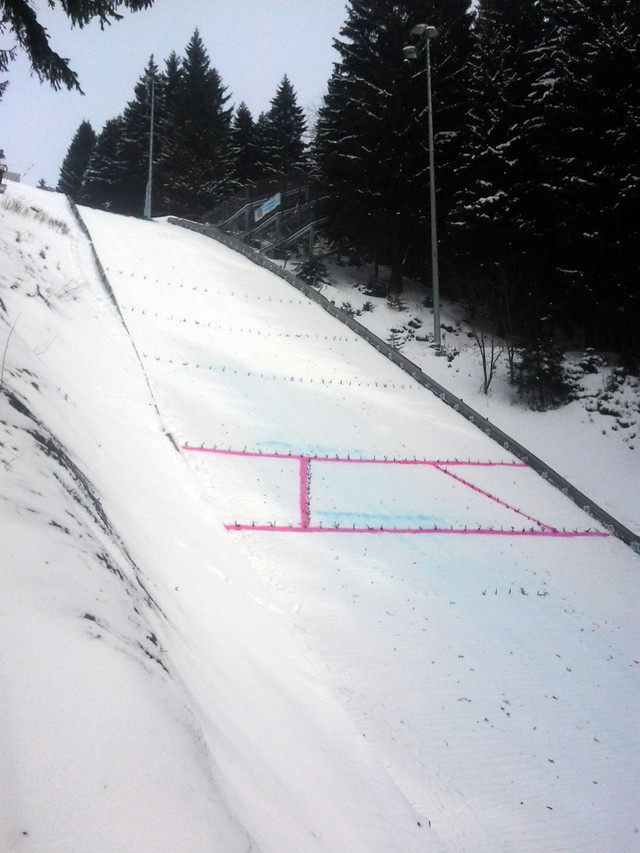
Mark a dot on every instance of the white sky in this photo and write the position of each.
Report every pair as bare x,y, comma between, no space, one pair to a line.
251,43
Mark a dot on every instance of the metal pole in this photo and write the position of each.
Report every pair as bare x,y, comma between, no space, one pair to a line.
147,200
312,234
435,280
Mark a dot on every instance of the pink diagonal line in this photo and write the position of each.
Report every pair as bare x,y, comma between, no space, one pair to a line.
304,491
480,531
545,527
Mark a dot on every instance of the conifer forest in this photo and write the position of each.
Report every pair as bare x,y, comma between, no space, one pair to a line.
536,119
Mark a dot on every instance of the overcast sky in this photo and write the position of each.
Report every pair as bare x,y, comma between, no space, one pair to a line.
251,43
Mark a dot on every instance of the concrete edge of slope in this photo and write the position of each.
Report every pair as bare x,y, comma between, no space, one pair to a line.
110,293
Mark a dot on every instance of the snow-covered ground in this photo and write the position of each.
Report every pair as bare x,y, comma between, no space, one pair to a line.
314,630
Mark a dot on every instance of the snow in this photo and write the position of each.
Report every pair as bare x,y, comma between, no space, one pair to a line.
174,680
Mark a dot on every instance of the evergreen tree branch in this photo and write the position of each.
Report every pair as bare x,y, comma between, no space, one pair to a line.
22,20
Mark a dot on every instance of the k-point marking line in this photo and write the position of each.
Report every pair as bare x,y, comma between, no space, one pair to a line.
435,463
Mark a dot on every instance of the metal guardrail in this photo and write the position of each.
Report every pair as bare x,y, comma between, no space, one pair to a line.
248,206
295,236
611,524
233,209
101,273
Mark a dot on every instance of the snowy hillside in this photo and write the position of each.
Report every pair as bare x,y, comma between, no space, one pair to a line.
263,592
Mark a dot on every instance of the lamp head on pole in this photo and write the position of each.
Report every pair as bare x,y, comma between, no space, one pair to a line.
412,51
424,30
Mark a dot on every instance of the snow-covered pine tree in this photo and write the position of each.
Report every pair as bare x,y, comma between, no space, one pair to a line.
76,161
371,137
365,142
499,252
285,150
133,145
172,76
587,135
243,147
261,145
102,181
168,89
199,155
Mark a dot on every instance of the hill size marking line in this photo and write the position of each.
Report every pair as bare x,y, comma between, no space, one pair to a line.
481,531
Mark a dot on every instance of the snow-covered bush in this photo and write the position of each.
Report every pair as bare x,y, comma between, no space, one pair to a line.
313,272
591,361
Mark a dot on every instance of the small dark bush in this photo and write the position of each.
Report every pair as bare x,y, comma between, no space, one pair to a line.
540,376
313,272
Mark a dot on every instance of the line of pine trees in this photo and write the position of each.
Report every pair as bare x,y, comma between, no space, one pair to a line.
536,110
203,149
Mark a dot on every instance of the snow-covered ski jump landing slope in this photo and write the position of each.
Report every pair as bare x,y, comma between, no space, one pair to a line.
339,619
473,665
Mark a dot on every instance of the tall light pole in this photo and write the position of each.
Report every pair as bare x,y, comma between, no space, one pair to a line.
147,197
411,52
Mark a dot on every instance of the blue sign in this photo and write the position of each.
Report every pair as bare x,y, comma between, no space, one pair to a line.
269,205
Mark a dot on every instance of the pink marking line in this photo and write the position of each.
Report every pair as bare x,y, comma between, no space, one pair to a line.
548,532
241,452
304,491
497,500
358,461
